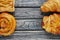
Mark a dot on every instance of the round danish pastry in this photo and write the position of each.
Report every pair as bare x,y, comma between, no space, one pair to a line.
7,24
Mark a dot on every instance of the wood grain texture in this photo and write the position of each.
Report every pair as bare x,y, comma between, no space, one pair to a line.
28,24
28,18
28,13
31,35
28,3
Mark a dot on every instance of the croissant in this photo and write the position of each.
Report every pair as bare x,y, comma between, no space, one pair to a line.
7,24
51,6
51,23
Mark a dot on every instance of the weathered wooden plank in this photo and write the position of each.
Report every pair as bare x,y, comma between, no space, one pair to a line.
31,35
28,3
28,13
28,24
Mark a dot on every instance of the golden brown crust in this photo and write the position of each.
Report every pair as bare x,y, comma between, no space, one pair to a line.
7,24
52,23
51,6
6,5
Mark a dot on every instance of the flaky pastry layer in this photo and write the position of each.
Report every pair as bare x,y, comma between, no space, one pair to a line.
7,5
51,23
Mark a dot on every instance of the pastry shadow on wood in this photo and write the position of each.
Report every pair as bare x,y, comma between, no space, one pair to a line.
12,13
7,37
48,13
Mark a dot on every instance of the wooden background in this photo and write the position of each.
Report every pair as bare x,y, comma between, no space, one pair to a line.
28,17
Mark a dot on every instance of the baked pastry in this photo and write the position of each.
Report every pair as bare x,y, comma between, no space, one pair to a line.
51,6
51,23
7,24
7,5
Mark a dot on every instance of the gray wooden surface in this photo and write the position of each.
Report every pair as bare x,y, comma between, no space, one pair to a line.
28,17
28,3
28,13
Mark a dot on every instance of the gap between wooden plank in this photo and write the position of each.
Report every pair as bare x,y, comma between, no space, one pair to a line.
27,6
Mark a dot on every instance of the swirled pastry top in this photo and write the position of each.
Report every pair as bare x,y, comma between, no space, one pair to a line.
52,23
7,24
6,5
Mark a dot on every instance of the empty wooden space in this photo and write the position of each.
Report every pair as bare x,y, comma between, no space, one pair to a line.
28,3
